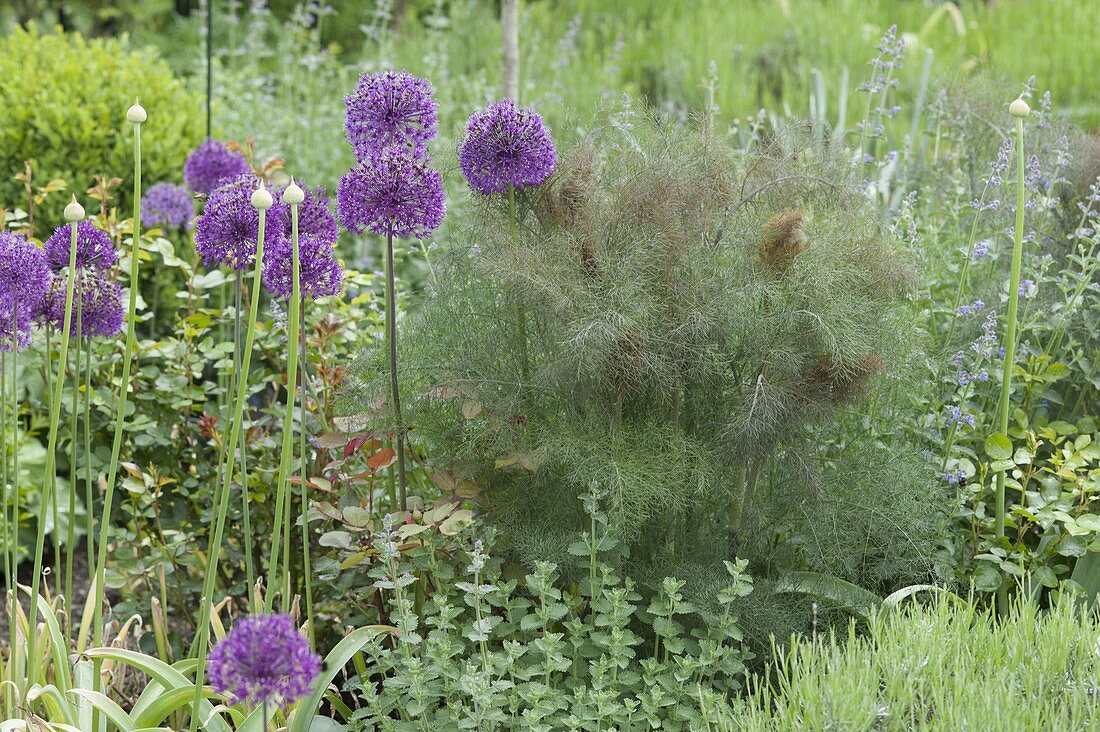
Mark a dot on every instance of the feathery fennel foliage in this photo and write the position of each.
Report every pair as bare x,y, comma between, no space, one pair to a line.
689,311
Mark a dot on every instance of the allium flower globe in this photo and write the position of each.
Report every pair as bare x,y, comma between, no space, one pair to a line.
168,204
228,228
24,281
24,276
392,193
505,145
393,108
210,164
264,659
319,272
94,249
101,313
314,216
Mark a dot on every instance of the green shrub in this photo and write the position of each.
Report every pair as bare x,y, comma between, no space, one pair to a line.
62,103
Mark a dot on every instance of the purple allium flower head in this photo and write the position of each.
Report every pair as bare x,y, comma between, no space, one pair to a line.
228,228
264,659
24,278
94,249
319,271
211,163
168,204
314,216
393,192
505,145
393,108
100,314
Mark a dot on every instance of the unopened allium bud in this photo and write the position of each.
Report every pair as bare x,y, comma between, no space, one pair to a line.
136,114
261,198
1019,108
74,211
293,195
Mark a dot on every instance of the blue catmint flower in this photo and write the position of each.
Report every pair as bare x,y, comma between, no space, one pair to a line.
980,249
1025,287
390,109
168,204
506,145
228,228
94,249
210,164
394,192
263,660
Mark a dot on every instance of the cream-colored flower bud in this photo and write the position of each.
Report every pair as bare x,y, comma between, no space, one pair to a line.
136,113
261,198
293,195
74,211
1019,108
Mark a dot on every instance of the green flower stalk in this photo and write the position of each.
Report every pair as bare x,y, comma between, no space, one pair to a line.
74,213
261,201
1019,110
292,196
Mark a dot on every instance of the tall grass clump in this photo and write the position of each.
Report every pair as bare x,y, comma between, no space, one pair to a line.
663,323
929,668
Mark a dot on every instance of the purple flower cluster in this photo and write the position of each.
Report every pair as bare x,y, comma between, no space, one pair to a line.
319,272
975,307
97,312
228,229
393,193
168,204
391,109
891,49
264,659
980,249
210,164
506,146
24,282
955,477
955,415
94,249
392,189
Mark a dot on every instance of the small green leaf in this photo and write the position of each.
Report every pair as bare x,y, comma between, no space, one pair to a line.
998,447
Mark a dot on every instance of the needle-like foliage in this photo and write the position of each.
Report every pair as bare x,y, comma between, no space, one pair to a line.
688,310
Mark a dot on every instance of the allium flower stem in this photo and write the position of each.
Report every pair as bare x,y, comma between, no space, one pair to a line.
395,392
203,631
521,313
282,499
89,536
242,446
74,418
49,473
1010,339
123,399
307,568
